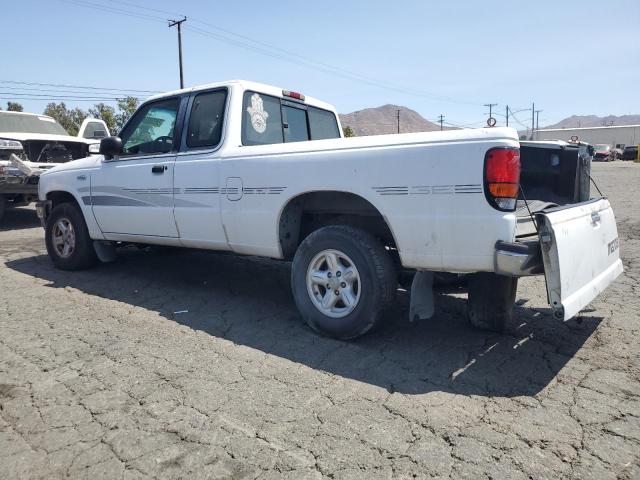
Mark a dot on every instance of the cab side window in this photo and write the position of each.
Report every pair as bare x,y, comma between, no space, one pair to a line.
322,124
152,129
206,119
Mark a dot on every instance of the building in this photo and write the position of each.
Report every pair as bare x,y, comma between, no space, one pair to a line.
612,135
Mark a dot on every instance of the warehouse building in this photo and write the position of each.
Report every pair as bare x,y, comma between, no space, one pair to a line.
612,135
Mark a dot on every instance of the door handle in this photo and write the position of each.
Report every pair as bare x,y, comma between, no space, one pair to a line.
158,168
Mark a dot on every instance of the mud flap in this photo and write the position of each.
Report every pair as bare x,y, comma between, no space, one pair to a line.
105,251
422,305
580,252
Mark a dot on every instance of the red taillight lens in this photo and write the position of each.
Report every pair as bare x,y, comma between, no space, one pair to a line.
290,94
502,177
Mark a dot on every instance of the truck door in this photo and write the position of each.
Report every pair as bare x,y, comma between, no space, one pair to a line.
132,193
197,185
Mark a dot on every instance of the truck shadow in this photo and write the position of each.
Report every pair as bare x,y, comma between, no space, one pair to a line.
18,219
247,301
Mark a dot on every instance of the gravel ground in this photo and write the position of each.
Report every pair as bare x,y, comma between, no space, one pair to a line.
173,363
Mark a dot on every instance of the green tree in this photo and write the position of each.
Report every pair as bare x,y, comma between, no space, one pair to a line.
106,113
70,119
14,107
348,131
126,107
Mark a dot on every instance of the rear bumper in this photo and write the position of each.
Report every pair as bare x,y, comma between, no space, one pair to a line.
518,259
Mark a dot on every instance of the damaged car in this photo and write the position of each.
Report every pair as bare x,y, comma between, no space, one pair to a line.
31,144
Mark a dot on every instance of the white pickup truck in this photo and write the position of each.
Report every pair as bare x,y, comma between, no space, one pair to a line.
37,143
257,170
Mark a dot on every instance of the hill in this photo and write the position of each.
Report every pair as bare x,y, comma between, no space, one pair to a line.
575,121
384,119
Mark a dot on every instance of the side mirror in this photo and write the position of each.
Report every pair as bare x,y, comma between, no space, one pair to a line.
110,147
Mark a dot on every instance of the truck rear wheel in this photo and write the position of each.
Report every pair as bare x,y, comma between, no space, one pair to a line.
491,300
342,279
67,238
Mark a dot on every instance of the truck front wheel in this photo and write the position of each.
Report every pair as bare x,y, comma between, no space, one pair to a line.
67,238
342,279
491,300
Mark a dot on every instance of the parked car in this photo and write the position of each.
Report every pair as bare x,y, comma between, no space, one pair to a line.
256,170
630,152
617,151
39,143
603,153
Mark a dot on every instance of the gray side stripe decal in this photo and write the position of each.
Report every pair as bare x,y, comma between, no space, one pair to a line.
110,200
429,189
163,197
113,201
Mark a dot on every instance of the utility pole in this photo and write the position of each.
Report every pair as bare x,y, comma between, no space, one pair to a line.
441,119
398,114
507,115
538,120
173,23
533,117
490,105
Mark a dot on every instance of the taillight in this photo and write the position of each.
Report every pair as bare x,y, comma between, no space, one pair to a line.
502,177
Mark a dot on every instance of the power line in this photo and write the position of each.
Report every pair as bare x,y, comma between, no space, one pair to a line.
270,50
108,9
6,96
29,91
29,94
60,85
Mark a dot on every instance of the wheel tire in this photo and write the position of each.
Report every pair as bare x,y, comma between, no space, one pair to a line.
491,300
377,280
83,255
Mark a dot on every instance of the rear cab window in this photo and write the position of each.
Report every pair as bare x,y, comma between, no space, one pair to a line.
94,130
267,120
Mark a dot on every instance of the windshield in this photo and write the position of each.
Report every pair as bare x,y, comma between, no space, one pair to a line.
601,147
21,123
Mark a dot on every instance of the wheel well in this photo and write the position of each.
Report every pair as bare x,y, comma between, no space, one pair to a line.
310,211
60,197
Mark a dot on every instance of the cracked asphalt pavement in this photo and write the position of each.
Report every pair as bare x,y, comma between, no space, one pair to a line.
174,363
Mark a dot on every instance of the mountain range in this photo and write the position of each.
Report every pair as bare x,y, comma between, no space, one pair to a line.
576,121
384,119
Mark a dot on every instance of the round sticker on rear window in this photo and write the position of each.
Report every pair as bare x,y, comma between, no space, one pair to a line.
258,114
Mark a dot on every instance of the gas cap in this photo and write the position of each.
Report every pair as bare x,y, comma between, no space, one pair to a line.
234,188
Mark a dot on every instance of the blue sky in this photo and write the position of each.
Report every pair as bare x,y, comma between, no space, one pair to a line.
450,58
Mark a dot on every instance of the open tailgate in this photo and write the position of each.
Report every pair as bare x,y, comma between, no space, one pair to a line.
580,251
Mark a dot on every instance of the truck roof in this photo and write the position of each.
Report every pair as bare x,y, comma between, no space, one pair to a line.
246,85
